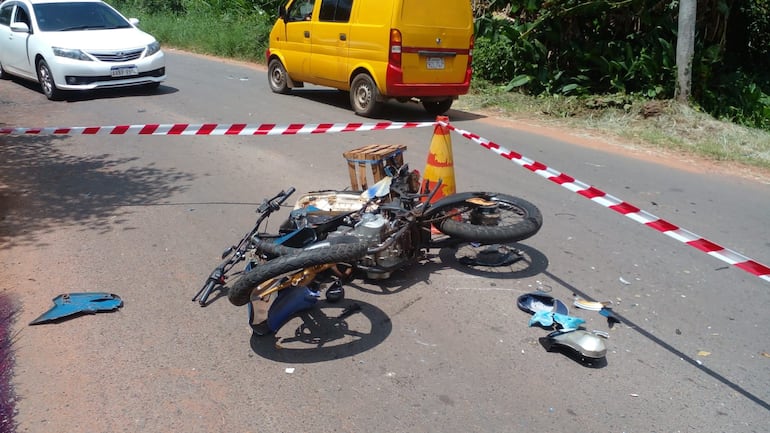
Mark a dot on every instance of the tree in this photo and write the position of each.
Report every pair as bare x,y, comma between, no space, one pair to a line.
685,47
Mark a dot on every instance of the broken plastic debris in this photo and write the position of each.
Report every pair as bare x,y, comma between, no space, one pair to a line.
581,341
590,305
289,370
71,304
547,318
703,353
623,280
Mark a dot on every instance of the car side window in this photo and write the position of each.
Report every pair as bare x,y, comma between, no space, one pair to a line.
335,10
22,17
5,15
301,10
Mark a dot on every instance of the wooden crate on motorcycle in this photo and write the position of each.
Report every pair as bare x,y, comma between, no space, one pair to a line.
376,156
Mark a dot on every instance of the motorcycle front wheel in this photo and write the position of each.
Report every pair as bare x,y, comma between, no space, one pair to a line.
240,291
489,218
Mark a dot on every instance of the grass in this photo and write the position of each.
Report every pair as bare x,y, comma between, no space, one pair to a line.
242,38
659,124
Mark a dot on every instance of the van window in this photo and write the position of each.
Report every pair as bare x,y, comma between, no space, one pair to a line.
300,10
414,12
335,10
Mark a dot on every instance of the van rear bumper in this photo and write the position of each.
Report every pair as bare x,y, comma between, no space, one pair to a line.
417,90
396,88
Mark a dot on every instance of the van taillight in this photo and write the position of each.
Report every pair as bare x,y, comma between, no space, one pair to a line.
395,48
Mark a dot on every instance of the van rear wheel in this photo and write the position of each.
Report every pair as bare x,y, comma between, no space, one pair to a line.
364,96
437,108
277,77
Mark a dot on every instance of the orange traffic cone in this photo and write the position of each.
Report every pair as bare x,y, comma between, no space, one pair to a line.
440,164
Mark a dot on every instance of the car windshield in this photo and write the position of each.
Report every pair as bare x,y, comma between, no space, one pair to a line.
62,17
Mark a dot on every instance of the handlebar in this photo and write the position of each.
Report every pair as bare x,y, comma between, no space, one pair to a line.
273,204
236,253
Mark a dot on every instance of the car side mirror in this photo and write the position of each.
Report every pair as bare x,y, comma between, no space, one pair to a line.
282,12
134,21
20,27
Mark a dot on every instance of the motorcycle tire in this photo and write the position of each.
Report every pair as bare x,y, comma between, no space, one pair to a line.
518,220
240,292
276,250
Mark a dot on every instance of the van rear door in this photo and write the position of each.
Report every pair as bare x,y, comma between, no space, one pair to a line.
436,38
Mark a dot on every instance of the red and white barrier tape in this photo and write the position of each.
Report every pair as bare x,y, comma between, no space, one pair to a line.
726,255
597,196
216,129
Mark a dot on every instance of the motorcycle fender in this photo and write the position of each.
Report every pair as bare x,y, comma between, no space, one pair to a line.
477,198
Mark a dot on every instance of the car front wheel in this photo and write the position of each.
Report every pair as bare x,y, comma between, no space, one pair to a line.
45,77
277,77
364,95
3,74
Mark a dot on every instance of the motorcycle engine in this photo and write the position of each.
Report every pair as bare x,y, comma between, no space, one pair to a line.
371,229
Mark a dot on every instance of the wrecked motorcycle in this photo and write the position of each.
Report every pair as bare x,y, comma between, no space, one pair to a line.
377,231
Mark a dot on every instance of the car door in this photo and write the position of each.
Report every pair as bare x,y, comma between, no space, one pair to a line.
18,60
330,43
297,48
6,13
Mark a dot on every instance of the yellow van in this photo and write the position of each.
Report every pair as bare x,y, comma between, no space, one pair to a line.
375,49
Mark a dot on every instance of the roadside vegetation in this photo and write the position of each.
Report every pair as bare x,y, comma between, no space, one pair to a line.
605,66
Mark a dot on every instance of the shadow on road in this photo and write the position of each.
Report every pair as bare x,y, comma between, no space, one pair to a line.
670,348
88,95
120,92
326,332
530,262
392,110
42,188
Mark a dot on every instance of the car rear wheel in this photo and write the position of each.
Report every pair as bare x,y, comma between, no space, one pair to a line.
364,96
277,77
437,108
47,83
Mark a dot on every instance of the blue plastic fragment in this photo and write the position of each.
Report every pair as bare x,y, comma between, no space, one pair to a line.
70,304
547,318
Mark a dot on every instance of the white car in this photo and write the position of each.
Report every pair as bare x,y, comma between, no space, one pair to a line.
76,45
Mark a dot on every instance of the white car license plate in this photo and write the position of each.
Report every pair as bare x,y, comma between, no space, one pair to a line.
435,63
124,71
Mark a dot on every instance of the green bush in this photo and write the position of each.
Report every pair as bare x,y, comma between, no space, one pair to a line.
543,47
580,47
493,60
149,6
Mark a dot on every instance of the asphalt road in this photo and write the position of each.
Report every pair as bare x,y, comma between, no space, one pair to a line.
436,348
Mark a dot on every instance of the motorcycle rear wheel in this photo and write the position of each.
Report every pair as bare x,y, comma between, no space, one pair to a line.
240,291
510,219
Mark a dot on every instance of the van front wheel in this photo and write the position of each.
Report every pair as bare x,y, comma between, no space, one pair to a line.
364,95
437,108
277,77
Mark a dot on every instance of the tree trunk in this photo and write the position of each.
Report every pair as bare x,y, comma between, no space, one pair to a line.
685,46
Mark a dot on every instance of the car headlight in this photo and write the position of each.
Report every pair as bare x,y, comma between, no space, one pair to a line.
71,54
153,48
